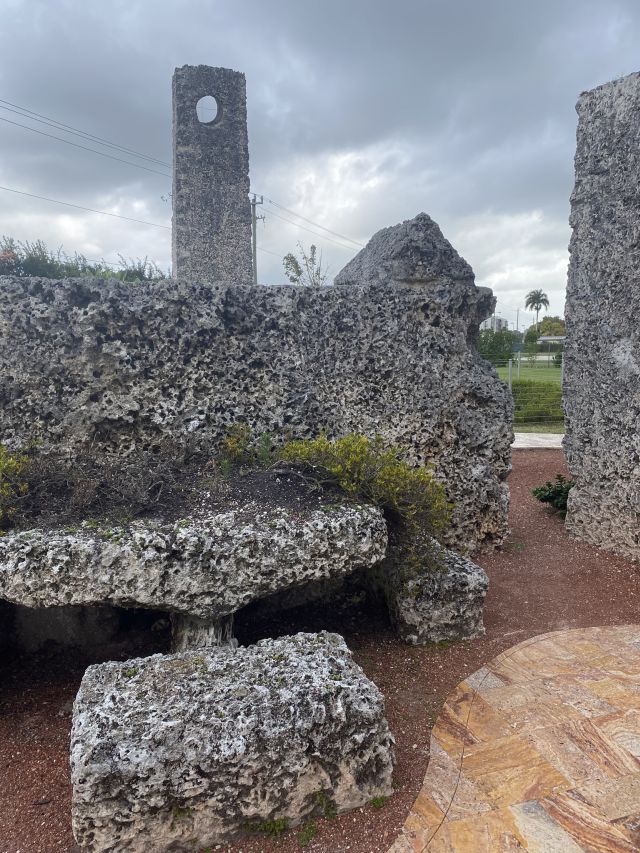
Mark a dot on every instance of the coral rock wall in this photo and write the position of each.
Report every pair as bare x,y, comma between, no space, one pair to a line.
602,353
127,365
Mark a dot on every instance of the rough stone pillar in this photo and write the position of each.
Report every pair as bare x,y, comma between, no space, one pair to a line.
602,352
190,632
211,209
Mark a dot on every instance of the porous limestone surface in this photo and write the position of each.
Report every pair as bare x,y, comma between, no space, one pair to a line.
119,365
439,604
413,252
602,349
211,210
206,567
180,752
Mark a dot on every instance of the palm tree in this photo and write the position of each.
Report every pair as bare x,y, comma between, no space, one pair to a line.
536,299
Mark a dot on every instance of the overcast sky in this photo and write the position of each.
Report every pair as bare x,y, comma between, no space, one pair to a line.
361,114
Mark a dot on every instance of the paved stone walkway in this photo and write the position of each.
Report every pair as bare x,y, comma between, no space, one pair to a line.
539,751
537,439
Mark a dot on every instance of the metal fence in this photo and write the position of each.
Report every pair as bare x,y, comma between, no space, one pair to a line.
535,382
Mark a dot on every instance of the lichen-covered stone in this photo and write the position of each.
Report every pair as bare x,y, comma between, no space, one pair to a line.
180,752
208,566
119,365
440,604
602,350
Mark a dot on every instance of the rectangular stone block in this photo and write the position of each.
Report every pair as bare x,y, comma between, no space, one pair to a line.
211,209
180,752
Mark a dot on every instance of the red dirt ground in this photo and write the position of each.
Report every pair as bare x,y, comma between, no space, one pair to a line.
541,581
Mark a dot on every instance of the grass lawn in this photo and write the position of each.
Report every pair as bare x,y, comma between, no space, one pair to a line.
539,373
557,428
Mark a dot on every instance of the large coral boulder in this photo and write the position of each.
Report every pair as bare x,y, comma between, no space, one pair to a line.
413,251
184,751
442,603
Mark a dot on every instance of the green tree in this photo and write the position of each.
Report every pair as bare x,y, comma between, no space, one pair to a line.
552,326
496,347
536,299
305,268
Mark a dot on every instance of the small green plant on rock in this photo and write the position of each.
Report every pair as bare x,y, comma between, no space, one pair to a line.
555,493
273,828
326,804
377,802
239,447
307,834
13,485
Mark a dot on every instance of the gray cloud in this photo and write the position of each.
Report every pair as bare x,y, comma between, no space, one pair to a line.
360,115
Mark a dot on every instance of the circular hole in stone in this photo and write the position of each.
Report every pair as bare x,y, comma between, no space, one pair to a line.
207,109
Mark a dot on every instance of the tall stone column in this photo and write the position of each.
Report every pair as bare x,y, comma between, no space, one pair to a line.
211,209
602,351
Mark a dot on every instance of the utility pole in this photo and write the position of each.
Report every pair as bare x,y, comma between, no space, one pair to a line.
517,319
254,220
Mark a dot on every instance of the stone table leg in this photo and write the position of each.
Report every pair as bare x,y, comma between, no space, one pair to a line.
191,632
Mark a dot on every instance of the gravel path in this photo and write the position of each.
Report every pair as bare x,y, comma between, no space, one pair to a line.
541,581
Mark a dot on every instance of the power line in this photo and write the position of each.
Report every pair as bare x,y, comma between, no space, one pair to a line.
311,222
316,233
25,112
269,252
84,147
104,213
80,207
52,122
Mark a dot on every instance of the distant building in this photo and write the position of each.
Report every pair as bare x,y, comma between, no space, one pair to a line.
495,324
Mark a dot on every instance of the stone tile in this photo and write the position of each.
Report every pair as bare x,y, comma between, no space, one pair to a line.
533,661
619,693
450,789
623,728
518,784
534,704
541,833
482,680
404,844
586,825
539,750
467,719
494,832
615,798
563,753
600,749
570,690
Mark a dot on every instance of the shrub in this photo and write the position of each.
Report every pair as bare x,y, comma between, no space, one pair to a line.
555,493
240,448
364,469
274,828
35,259
13,485
496,347
412,499
66,488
